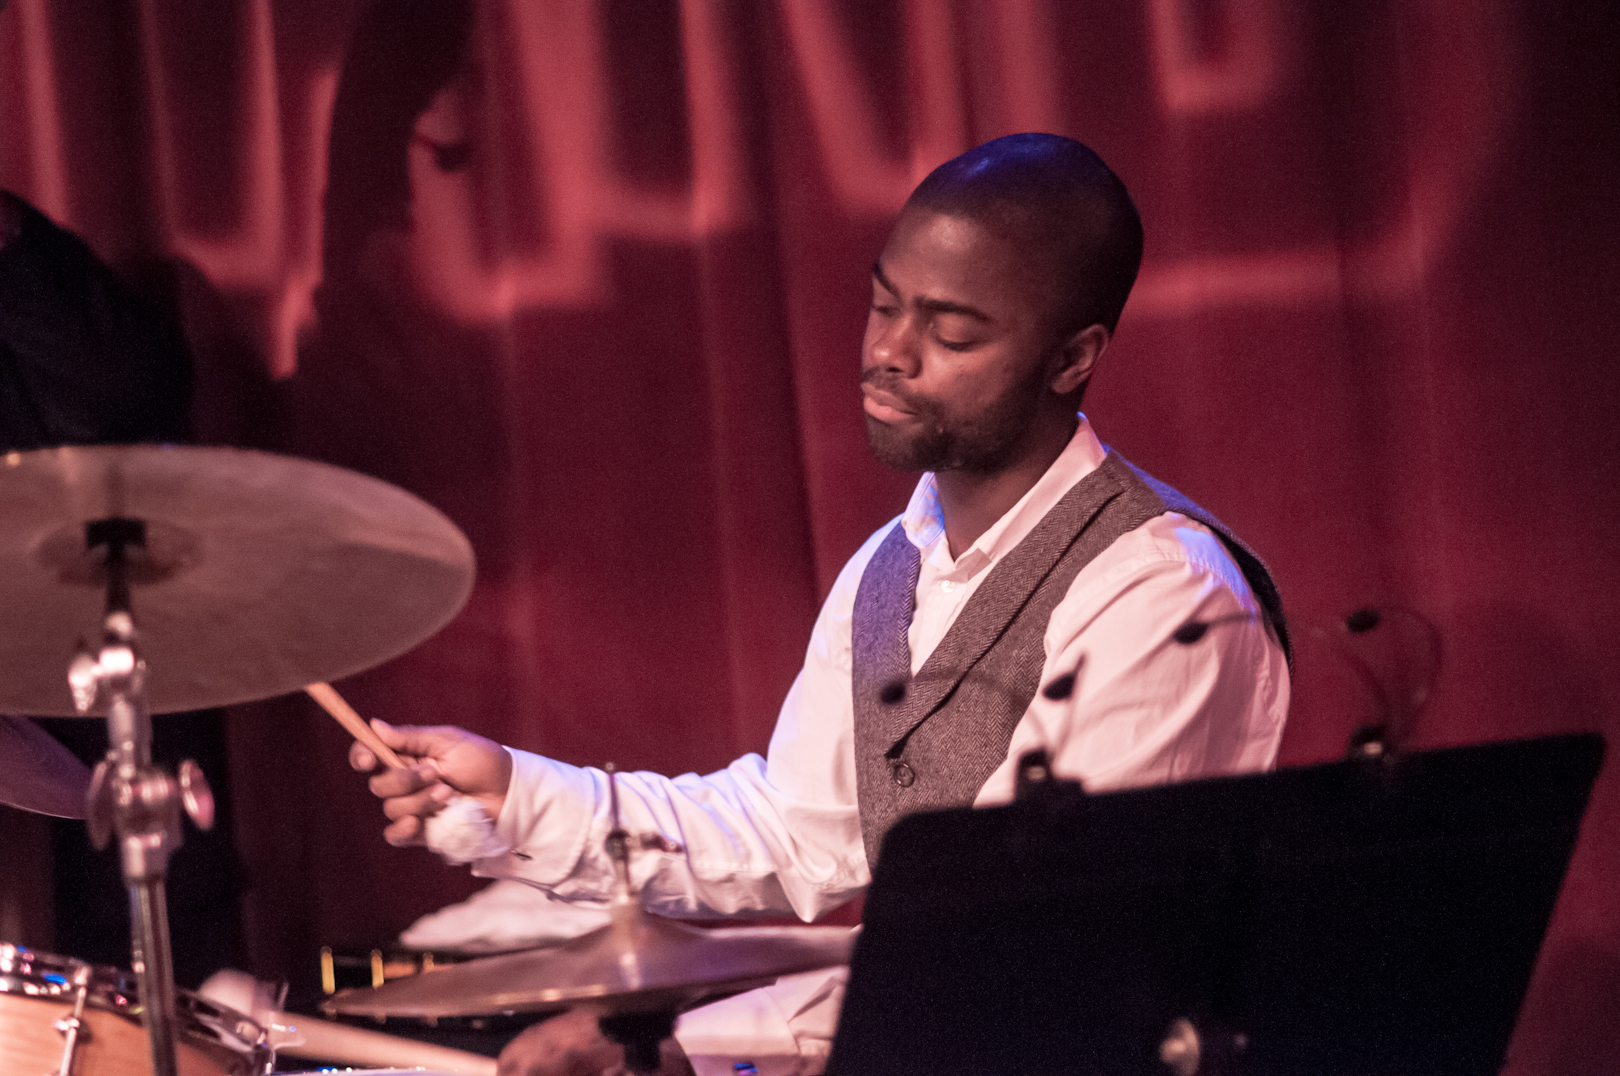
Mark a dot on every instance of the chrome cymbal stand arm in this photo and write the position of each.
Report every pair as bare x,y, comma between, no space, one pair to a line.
618,847
130,796
640,1033
624,905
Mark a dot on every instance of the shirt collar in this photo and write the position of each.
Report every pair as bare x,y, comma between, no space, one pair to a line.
925,525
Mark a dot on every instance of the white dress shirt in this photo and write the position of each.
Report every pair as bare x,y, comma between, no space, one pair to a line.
780,833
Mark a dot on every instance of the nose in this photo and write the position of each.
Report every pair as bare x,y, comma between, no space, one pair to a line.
891,344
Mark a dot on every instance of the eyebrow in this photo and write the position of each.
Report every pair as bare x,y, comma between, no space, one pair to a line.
933,306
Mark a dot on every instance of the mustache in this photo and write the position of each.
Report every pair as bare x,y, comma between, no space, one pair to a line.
890,382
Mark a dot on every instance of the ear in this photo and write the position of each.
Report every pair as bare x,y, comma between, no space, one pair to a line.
1076,357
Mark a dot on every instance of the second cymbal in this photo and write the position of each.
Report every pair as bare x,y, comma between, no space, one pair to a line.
640,962
37,773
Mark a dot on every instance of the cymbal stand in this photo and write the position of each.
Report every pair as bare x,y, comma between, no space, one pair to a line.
640,1032
129,795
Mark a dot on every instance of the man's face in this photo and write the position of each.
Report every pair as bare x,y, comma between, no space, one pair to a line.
956,359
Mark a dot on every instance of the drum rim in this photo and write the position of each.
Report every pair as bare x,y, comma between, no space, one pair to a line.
45,976
39,974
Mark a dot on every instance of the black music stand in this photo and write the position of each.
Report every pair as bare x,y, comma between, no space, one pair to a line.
1354,919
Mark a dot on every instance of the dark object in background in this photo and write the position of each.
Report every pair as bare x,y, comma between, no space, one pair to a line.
85,359
1365,917
92,903
403,53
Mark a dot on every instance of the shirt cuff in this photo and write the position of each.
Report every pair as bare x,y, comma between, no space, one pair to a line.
546,820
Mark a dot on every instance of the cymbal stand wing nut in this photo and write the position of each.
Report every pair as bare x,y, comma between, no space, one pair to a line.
195,794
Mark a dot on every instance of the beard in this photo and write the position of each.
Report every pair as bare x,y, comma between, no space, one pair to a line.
984,442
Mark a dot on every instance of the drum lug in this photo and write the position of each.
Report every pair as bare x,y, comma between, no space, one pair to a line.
72,1026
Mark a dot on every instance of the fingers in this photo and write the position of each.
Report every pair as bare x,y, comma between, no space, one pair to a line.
466,762
409,812
361,758
423,803
392,782
405,831
422,741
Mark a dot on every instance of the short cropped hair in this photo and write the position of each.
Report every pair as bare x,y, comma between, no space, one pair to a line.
1057,196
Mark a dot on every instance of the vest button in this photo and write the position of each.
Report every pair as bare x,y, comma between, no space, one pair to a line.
903,774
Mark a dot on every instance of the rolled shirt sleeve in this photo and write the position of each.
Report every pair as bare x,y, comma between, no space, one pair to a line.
764,835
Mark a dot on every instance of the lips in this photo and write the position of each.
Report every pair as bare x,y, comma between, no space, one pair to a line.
884,406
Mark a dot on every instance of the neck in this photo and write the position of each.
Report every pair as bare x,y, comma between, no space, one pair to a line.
972,501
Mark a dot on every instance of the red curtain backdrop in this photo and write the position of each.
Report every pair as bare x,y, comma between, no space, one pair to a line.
591,277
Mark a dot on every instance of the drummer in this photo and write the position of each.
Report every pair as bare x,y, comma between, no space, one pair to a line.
1028,552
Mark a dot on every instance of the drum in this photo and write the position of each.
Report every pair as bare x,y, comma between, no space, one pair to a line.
40,995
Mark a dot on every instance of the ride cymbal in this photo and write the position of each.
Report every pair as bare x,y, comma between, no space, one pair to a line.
258,573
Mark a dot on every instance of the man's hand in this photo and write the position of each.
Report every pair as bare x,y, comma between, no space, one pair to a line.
572,1045
440,760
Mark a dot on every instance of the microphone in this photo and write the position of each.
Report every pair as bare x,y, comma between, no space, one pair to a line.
1034,776
1363,620
1194,630
1034,766
1399,682
1061,687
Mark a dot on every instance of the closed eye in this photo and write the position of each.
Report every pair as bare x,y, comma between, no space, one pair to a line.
955,331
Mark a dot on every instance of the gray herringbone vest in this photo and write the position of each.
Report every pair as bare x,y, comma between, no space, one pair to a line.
948,732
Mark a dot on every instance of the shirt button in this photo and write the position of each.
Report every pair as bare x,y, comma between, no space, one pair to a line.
947,586
903,774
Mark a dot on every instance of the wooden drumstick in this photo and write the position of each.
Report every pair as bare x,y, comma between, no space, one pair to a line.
333,703
326,1041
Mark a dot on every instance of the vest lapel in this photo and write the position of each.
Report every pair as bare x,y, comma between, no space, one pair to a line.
1004,592
884,602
